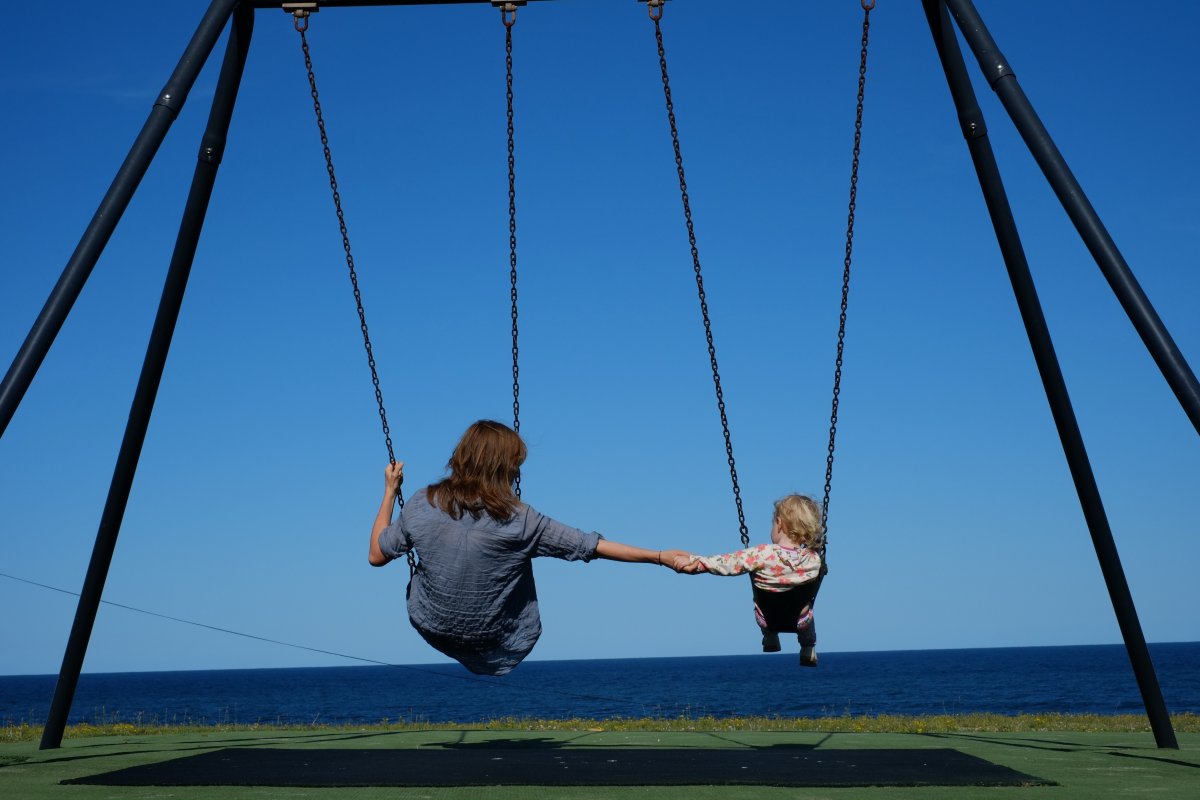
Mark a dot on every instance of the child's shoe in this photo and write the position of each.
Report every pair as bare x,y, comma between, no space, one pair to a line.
808,656
770,642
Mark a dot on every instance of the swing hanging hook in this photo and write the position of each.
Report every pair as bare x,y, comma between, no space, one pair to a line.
868,5
655,7
508,14
300,12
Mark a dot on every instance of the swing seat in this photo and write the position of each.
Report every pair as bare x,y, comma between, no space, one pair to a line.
782,610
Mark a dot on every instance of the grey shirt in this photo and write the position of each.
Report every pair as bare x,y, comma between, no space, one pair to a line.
473,596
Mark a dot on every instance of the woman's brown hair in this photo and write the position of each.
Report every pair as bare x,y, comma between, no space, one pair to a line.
483,467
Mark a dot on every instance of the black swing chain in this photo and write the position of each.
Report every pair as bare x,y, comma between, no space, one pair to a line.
509,21
841,340
301,18
656,15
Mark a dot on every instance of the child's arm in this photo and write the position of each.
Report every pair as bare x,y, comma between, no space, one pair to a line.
393,476
738,562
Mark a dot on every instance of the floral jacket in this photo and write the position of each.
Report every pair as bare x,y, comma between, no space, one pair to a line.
773,567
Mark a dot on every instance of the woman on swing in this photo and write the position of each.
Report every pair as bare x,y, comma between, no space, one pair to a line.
473,596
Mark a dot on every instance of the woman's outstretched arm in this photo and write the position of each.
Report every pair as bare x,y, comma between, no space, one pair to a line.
615,551
393,476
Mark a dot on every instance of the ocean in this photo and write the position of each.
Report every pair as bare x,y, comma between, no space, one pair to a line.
1077,679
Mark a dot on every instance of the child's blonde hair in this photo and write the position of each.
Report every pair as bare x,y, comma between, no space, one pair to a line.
800,518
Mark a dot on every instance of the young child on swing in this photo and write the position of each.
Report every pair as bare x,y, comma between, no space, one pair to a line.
791,560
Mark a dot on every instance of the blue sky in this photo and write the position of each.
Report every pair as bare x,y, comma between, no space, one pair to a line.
954,520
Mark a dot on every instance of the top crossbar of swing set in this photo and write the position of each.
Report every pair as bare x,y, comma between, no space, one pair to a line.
317,5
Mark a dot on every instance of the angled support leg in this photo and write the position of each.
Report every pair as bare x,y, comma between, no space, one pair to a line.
54,313
211,151
975,131
1070,194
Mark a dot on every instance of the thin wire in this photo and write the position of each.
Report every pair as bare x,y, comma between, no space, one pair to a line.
505,684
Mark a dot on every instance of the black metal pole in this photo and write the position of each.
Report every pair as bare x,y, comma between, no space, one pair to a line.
211,149
1145,319
54,313
975,131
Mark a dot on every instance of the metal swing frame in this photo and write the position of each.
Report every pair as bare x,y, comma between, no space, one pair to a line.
239,15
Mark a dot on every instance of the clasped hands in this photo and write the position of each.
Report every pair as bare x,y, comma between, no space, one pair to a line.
681,561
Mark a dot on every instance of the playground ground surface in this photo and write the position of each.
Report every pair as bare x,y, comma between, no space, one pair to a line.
1062,765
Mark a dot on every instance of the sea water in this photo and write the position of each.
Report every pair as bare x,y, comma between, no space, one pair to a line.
1077,679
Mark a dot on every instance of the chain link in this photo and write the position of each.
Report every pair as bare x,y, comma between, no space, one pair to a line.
841,340
691,231
512,232
341,217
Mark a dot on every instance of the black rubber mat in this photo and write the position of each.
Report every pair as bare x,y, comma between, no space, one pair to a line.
572,766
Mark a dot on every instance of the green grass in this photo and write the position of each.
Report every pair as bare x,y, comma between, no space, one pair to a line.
1088,757
883,723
